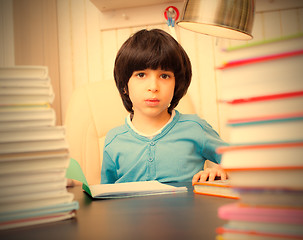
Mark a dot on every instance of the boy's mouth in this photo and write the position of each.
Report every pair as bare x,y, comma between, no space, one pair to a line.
152,101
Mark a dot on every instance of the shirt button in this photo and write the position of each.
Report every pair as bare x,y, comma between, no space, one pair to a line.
152,143
150,159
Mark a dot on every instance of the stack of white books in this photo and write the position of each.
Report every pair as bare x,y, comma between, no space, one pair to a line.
34,153
264,160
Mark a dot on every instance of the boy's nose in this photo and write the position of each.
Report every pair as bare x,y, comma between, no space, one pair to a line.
153,85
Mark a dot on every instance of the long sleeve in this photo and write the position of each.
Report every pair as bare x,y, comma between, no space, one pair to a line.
211,142
108,171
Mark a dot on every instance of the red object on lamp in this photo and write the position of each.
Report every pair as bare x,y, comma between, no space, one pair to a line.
176,10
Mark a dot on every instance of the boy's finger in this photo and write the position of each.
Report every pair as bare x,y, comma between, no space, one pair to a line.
223,175
195,178
204,176
211,176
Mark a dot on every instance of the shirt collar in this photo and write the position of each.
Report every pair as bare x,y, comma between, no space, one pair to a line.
150,136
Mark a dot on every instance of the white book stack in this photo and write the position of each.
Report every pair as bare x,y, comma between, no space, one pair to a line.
34,153
264,160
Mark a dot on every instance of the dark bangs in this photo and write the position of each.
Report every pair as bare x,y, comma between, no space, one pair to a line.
153,50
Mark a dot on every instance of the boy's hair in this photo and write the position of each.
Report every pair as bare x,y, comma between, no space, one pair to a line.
152,49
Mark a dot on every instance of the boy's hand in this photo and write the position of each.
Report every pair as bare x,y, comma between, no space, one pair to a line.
211,173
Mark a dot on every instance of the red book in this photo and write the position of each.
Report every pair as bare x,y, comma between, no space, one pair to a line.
264,165
266,129
261,76
265,106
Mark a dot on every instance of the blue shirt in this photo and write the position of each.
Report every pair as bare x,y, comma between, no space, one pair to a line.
174,155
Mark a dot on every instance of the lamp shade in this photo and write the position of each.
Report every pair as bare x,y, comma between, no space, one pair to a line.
231,19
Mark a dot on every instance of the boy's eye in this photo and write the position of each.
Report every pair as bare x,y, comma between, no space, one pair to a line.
140,75
165,76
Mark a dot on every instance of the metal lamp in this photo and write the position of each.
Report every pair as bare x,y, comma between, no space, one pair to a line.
231,19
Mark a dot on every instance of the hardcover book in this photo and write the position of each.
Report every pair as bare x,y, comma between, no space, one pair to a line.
218,188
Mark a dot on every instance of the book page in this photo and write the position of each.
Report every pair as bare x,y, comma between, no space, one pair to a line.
117,190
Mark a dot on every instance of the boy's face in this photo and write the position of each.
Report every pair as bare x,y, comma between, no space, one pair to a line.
151,92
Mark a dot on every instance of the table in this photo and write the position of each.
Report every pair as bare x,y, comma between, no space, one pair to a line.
171,216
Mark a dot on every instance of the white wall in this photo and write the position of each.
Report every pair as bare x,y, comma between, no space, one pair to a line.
87,54
6,33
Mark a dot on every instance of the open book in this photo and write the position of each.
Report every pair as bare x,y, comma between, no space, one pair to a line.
119,190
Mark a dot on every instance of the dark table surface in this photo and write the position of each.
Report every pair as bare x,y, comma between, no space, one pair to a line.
171,216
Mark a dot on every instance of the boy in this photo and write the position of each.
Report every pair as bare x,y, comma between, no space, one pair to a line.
152,73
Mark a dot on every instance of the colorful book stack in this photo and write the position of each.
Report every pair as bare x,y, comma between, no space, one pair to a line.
34,154
265,157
